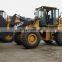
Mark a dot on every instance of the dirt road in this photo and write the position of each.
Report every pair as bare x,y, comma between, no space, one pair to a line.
43,53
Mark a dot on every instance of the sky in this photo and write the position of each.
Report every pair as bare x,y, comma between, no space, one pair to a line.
27,7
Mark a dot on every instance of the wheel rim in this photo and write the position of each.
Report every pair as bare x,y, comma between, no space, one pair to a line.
8,37
32,38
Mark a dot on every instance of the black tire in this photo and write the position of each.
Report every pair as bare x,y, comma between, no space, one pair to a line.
17,39
58,38
26,42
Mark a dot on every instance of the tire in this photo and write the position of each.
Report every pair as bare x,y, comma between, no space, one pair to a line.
58,38
29,42
17,39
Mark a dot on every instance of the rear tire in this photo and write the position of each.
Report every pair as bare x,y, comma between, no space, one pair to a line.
58,38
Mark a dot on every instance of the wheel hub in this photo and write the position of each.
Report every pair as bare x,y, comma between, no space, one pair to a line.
32,38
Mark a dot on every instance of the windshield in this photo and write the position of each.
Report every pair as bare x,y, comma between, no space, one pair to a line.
39,13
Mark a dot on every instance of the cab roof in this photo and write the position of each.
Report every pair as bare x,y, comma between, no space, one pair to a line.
2,11
46,7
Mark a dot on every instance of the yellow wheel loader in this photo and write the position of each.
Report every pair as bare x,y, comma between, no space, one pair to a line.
46,26
5,34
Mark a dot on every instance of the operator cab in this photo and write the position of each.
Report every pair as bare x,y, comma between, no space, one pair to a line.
47,15
3,14
3,17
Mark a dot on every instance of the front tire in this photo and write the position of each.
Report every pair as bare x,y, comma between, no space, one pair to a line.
31,40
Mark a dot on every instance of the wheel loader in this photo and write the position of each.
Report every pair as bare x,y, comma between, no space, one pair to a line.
46,26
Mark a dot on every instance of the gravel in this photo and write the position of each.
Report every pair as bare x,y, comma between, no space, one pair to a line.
10,52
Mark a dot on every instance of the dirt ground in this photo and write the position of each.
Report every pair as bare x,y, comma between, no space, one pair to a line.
43,53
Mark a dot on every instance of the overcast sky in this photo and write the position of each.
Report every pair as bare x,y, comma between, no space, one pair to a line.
26,7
